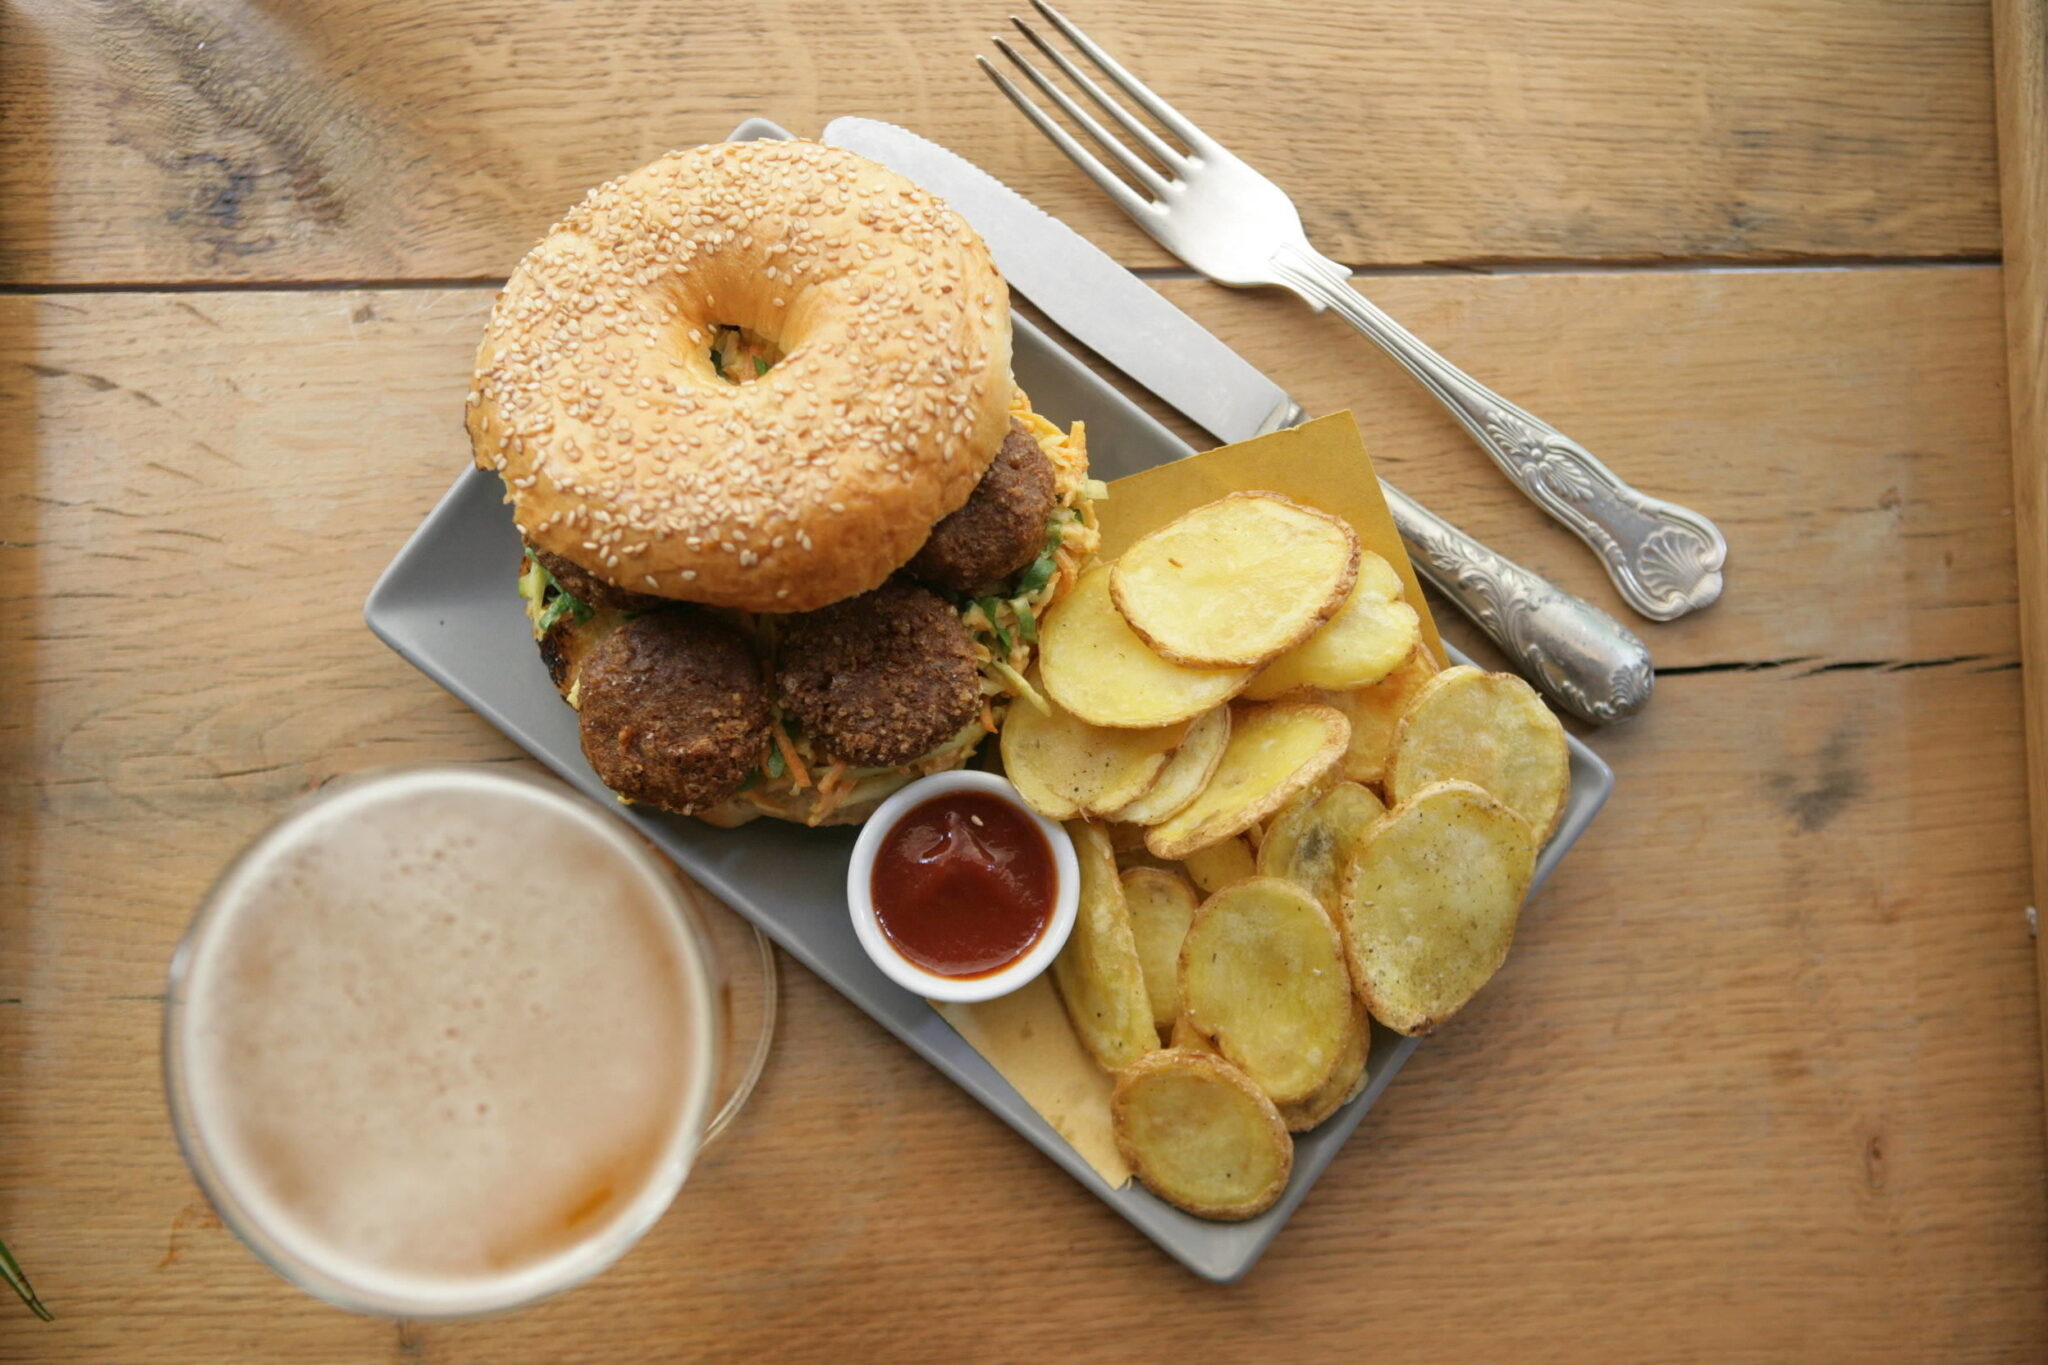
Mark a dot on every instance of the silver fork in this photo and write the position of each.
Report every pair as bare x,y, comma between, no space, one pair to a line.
1226,220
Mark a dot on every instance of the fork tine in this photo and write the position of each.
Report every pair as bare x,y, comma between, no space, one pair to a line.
1127,199
1170,157
1103,138
1141,94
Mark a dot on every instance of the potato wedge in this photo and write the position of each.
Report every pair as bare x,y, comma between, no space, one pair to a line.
1066,767
1186,773
1276,749
1489,729
1100,978
1368,638
1374,712
1310,842
1200,1135
1345,1081
1430,903
1220,864
1161,906
1095,666
1262,972
1237,581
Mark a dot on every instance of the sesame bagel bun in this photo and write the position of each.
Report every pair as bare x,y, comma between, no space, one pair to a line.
627,450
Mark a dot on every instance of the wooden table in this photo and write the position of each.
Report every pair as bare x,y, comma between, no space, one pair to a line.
1761,1080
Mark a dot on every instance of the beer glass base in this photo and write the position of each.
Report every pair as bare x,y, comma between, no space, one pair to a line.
750,996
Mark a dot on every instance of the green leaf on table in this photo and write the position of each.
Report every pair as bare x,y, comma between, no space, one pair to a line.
10,1270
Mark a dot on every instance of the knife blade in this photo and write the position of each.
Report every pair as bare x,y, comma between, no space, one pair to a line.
1583,658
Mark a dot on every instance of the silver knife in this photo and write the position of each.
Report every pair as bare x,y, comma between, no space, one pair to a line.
1584,659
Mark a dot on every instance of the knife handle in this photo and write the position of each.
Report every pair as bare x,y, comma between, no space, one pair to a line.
1582,658
1665,559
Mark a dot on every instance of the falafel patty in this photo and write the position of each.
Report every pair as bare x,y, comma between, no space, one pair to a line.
1001,526
587,588
881,678
673,710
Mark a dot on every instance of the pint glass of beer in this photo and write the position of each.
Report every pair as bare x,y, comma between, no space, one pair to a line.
444,1041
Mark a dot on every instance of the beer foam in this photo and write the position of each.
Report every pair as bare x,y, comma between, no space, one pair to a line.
444,1034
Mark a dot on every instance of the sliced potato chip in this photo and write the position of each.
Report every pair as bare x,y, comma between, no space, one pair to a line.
1098,972
1430,903
1126,839
1186,773
1345,1081
1200,1135
1310,842
1262,972
1236,581
1185,1034
1220,864
1066,767
1369,637
1489,729
1275,750
1095,665
1161,905
1374,712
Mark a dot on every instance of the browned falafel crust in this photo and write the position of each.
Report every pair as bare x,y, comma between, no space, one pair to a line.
1000,528
881,678
592,591
673,710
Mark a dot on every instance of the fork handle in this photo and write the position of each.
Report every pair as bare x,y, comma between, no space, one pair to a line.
1582,658
1665,559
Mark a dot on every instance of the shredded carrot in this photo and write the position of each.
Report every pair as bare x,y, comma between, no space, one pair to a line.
988,716
798,773
833,788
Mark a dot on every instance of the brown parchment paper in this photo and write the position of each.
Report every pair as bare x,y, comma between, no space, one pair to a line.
1323,464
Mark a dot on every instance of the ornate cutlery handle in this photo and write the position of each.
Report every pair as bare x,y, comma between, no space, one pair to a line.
1665,559
1581,657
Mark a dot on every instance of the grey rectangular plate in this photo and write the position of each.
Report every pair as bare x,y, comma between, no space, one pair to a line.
448,605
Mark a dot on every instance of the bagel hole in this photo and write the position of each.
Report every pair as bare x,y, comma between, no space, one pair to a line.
740,355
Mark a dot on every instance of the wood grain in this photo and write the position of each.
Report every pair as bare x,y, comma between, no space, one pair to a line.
166,141
1758,1084
2022,46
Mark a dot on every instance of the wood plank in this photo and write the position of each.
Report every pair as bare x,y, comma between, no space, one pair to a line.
150,141
1759,1083
2022,31
1846,494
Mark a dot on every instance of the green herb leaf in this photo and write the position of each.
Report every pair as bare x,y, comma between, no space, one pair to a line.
760,367
1036,575
718,364
563,605
989,606
1027,624
776,767
10,1271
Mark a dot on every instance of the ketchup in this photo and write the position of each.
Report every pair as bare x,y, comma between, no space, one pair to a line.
963,885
